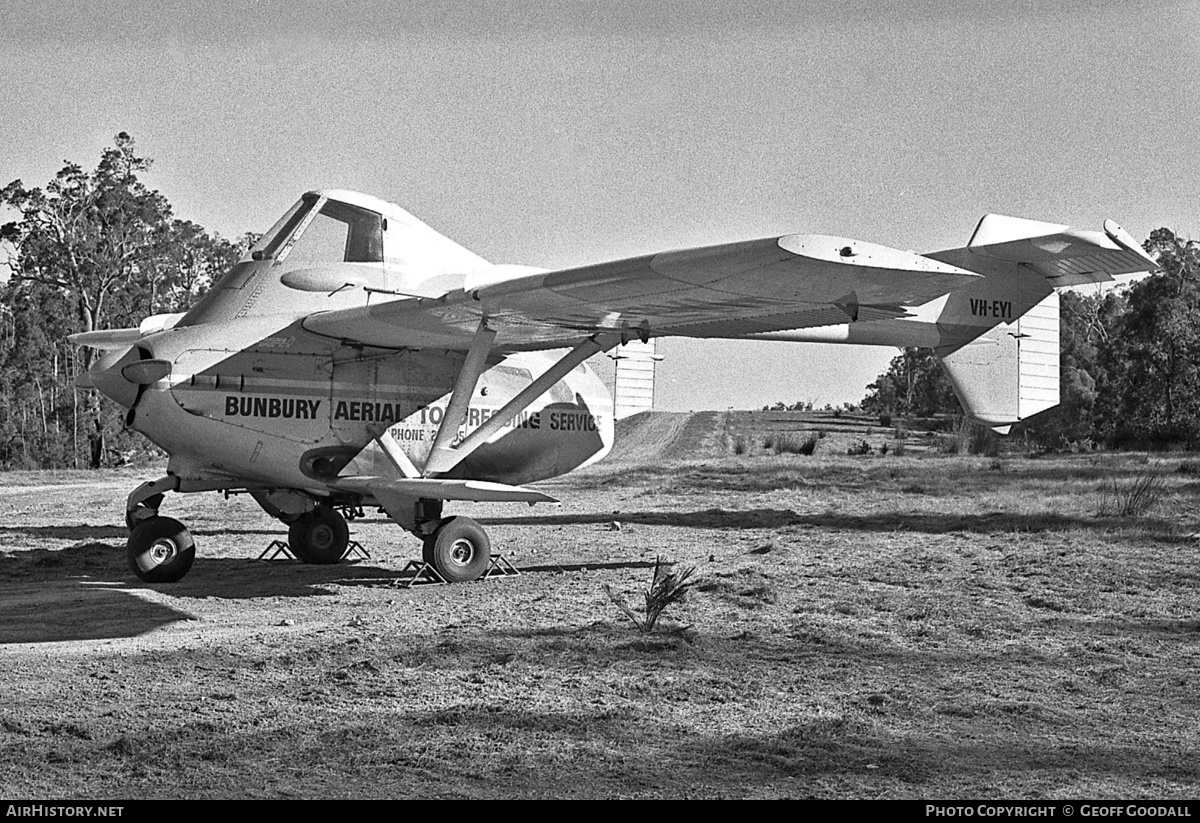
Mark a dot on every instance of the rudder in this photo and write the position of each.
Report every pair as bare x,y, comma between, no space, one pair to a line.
1010,372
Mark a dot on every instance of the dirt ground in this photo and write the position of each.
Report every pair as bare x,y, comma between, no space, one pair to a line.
858,627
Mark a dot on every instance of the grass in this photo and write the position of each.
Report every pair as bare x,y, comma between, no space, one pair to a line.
908,627
1133,496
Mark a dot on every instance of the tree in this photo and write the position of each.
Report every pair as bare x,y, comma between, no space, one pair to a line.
89,234
1130,361
914,385
1087,323
1153,356
92,250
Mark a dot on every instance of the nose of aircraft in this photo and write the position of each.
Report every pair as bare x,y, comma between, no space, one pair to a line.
105,375
123,374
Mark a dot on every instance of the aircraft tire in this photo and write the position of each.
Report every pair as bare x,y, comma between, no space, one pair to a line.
320,536
460,550
160,550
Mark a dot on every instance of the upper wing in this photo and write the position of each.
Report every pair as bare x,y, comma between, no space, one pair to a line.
795,281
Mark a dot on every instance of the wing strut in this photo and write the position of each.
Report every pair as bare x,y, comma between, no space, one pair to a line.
460,400
446,459
391,449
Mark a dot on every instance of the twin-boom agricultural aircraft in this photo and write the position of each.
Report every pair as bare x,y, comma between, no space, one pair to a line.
355,357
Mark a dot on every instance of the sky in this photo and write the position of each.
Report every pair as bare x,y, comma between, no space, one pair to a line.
558,133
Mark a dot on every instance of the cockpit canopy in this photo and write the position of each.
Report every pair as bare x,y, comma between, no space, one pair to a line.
322,230
335,226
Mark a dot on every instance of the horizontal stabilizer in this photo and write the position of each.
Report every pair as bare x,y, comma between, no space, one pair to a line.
108,339
478,491
1063,255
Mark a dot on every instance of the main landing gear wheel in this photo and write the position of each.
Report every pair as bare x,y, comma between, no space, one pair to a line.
160,550
320,536
460,550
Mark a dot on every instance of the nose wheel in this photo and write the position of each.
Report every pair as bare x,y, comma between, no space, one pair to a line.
160,550
459,549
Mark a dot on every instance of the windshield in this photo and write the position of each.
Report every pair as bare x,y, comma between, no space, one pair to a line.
336,233
339,233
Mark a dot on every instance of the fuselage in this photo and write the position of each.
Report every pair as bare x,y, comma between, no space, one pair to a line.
280,407
250,398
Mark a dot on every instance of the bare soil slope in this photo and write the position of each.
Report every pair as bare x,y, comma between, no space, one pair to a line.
646,436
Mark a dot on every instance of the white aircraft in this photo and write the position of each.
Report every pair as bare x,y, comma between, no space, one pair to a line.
357,357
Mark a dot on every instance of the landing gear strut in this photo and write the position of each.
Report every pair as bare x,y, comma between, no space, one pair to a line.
159,550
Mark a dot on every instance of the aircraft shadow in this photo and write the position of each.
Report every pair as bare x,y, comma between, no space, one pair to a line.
110,532
248,579
53,577
73,594
49,611
83,592
984,523
81,532
583,567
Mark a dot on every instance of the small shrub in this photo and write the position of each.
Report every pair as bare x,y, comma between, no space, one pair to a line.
666,587
861,447
769,441
898,448
1133,497
968,437
790,444
739,445
883,449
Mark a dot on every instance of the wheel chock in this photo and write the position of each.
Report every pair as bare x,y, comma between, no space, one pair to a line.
281,548
499,567
424,574
354,547
277,548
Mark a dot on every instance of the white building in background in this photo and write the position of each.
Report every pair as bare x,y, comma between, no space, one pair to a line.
633,385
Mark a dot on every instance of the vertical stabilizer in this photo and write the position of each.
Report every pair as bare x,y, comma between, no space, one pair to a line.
634,390
1011,372
1000,334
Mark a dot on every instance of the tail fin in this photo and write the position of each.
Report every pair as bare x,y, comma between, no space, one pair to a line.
1011,371
634,389
1004,358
